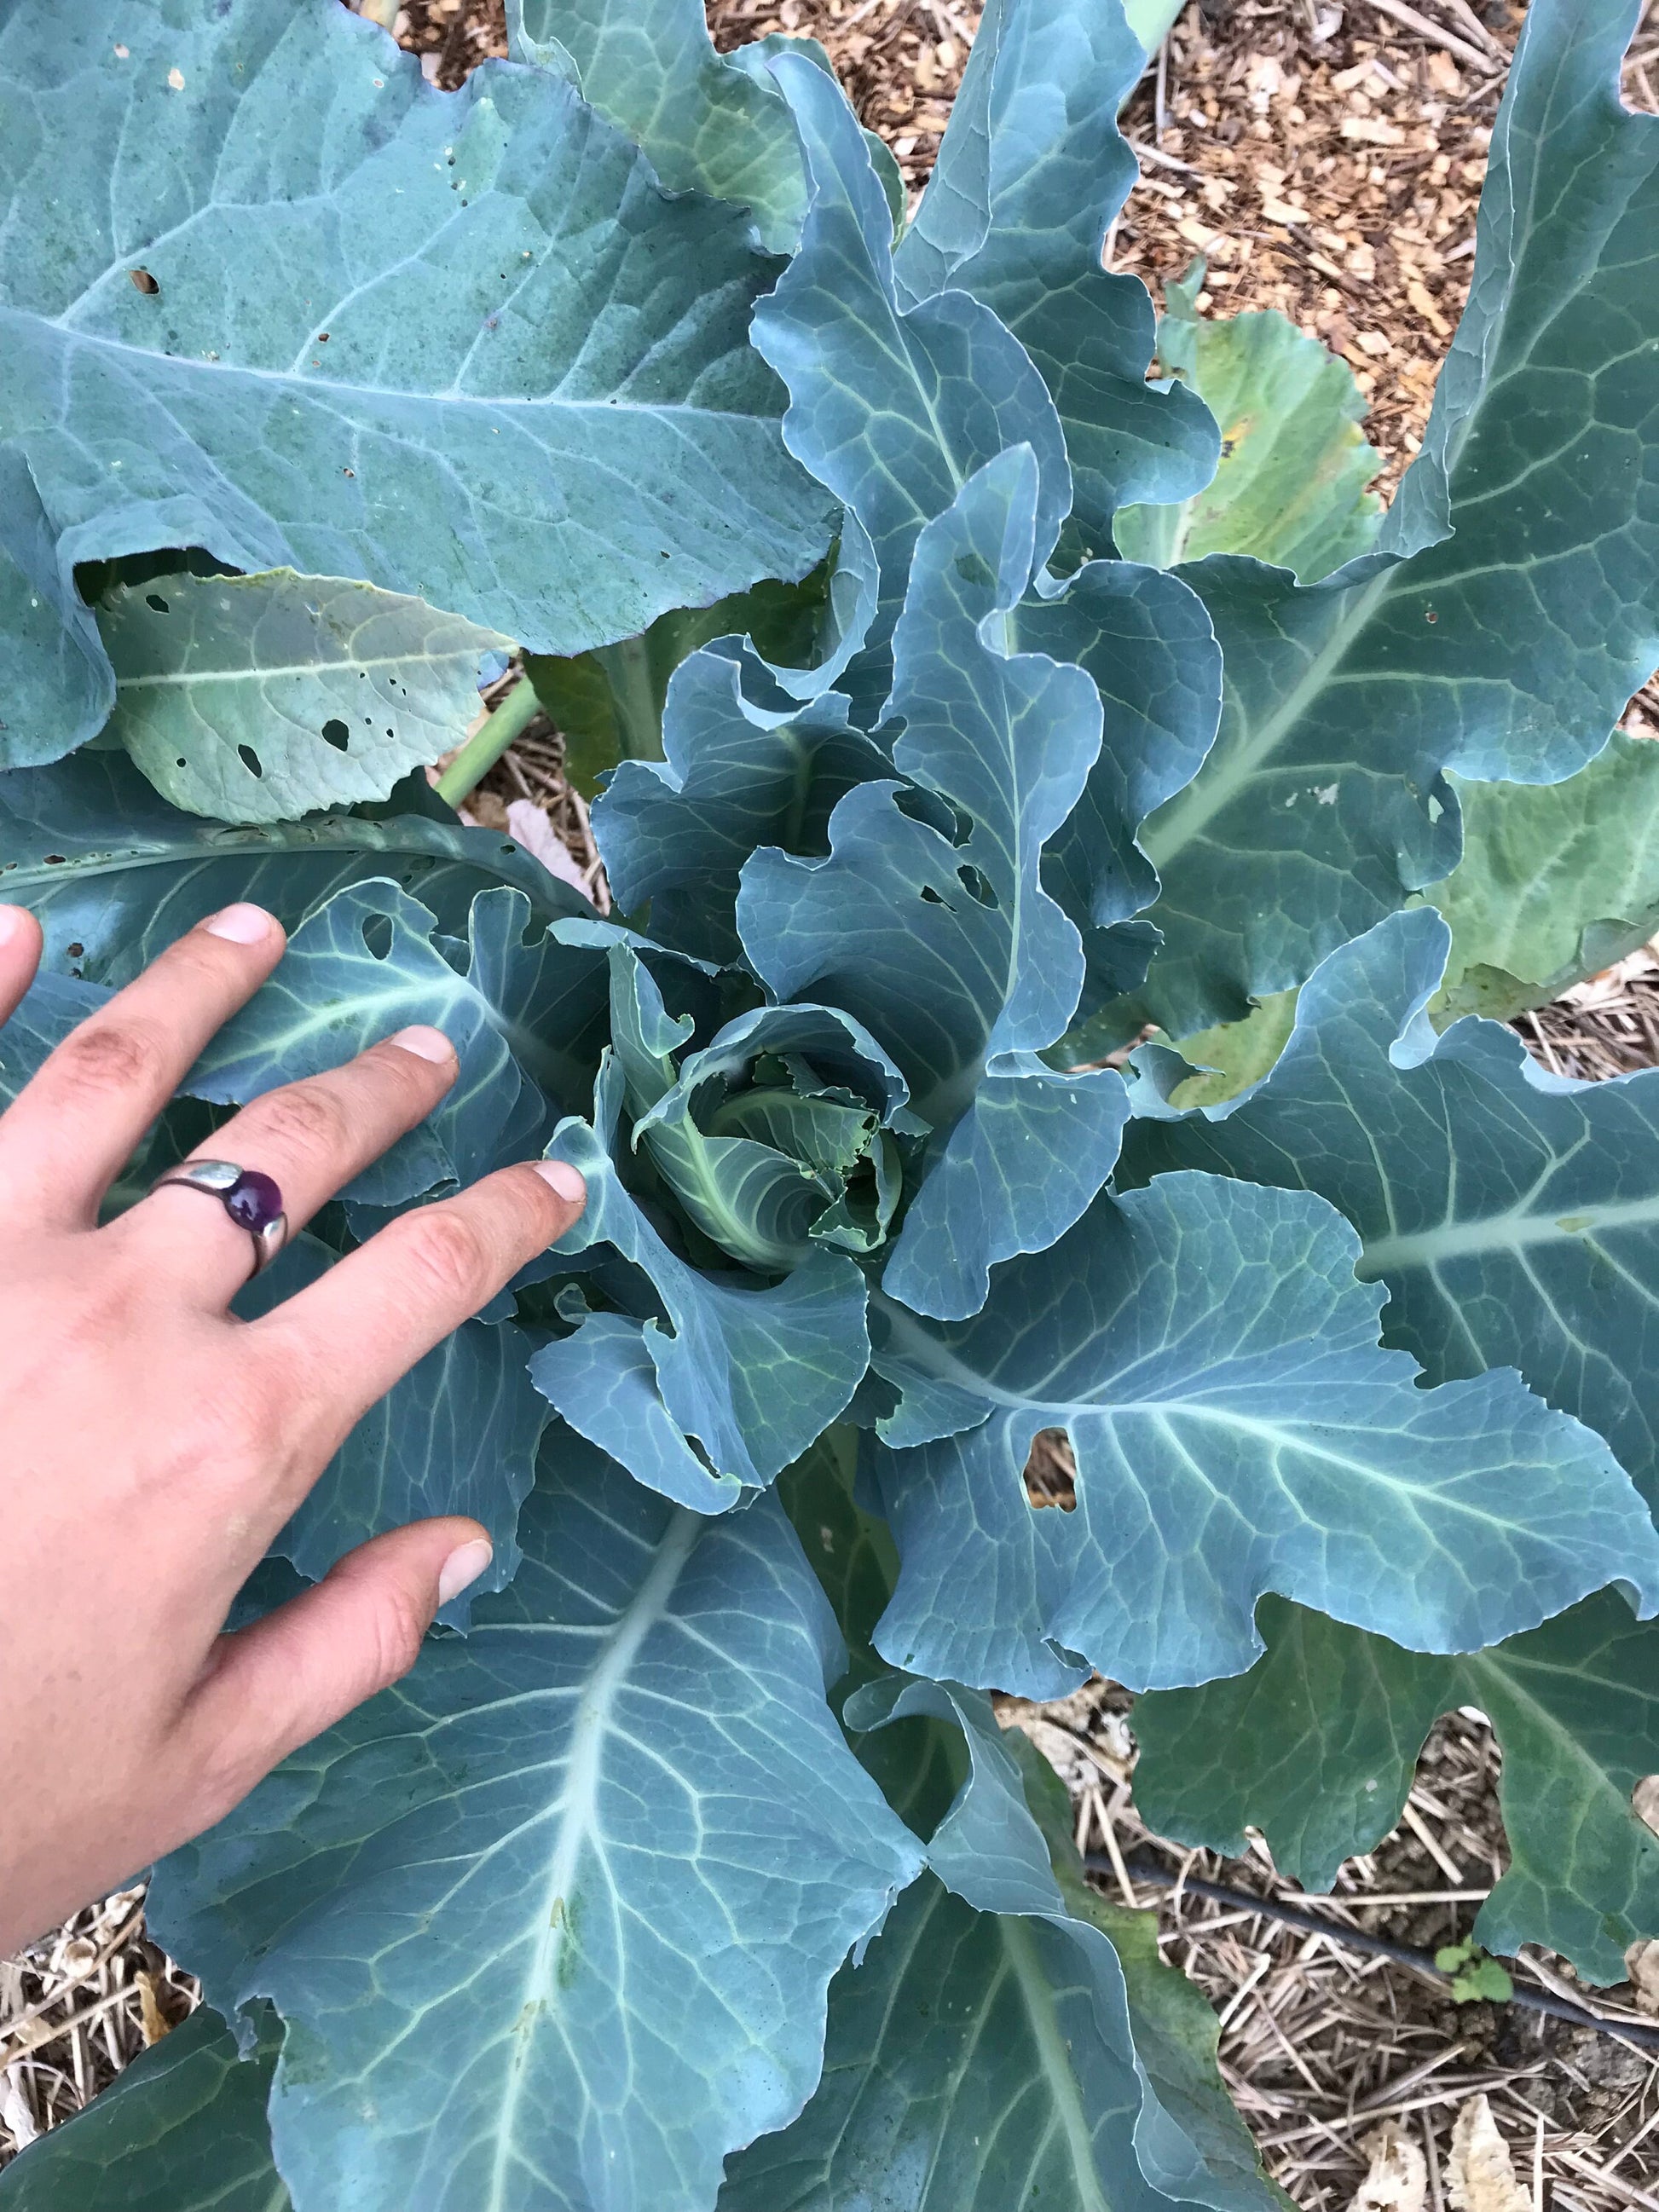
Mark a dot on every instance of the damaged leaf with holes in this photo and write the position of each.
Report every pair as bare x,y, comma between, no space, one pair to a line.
260,698
949,717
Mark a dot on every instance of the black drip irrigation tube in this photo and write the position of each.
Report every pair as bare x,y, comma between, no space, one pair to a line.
1317,1924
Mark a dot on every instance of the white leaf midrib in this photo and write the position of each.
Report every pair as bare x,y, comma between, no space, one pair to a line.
1036,1993
1510,1231
578,1826
318,670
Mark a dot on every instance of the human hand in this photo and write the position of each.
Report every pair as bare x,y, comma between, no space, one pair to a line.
151,1445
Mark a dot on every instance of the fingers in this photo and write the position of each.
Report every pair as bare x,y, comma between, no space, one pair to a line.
275,1686
367,1322
312,1137
67,1137
20,956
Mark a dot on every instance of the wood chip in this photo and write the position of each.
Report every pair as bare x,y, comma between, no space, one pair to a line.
1423,300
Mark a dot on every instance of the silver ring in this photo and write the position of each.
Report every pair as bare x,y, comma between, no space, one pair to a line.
253,1200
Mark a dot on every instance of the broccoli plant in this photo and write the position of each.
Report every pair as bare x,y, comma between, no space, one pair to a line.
688,1867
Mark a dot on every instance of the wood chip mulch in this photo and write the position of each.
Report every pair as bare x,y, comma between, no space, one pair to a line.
1327,160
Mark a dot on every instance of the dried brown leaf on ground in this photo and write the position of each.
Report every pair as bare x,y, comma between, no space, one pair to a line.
1397,2178
1480,2172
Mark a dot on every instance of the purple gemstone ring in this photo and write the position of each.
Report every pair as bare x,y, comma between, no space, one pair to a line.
252,1200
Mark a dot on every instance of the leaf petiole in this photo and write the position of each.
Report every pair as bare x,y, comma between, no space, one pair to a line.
473,763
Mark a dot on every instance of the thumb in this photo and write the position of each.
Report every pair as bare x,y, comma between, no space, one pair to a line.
20,956
275,1685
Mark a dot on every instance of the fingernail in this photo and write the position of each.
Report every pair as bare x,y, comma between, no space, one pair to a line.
463,1568
11,921
425,1044
242,924
564,1179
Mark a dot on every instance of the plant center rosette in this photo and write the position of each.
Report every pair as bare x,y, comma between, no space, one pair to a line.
787,1132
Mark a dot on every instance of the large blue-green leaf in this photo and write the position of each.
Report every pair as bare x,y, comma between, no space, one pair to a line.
707,124
115,874
893,410
460,344
954,2015
981,2055
986,1845
1237,1429
525,1014
57,684
457,1434
971,2066
718,1382
1032,170
182,2128
1516,605
1318,1744
1013,1175
551,1922
987,964
940,939
1320,806
1514,1218
1147,642
1190,2137
258,698
1009,1830
756,56
736,776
